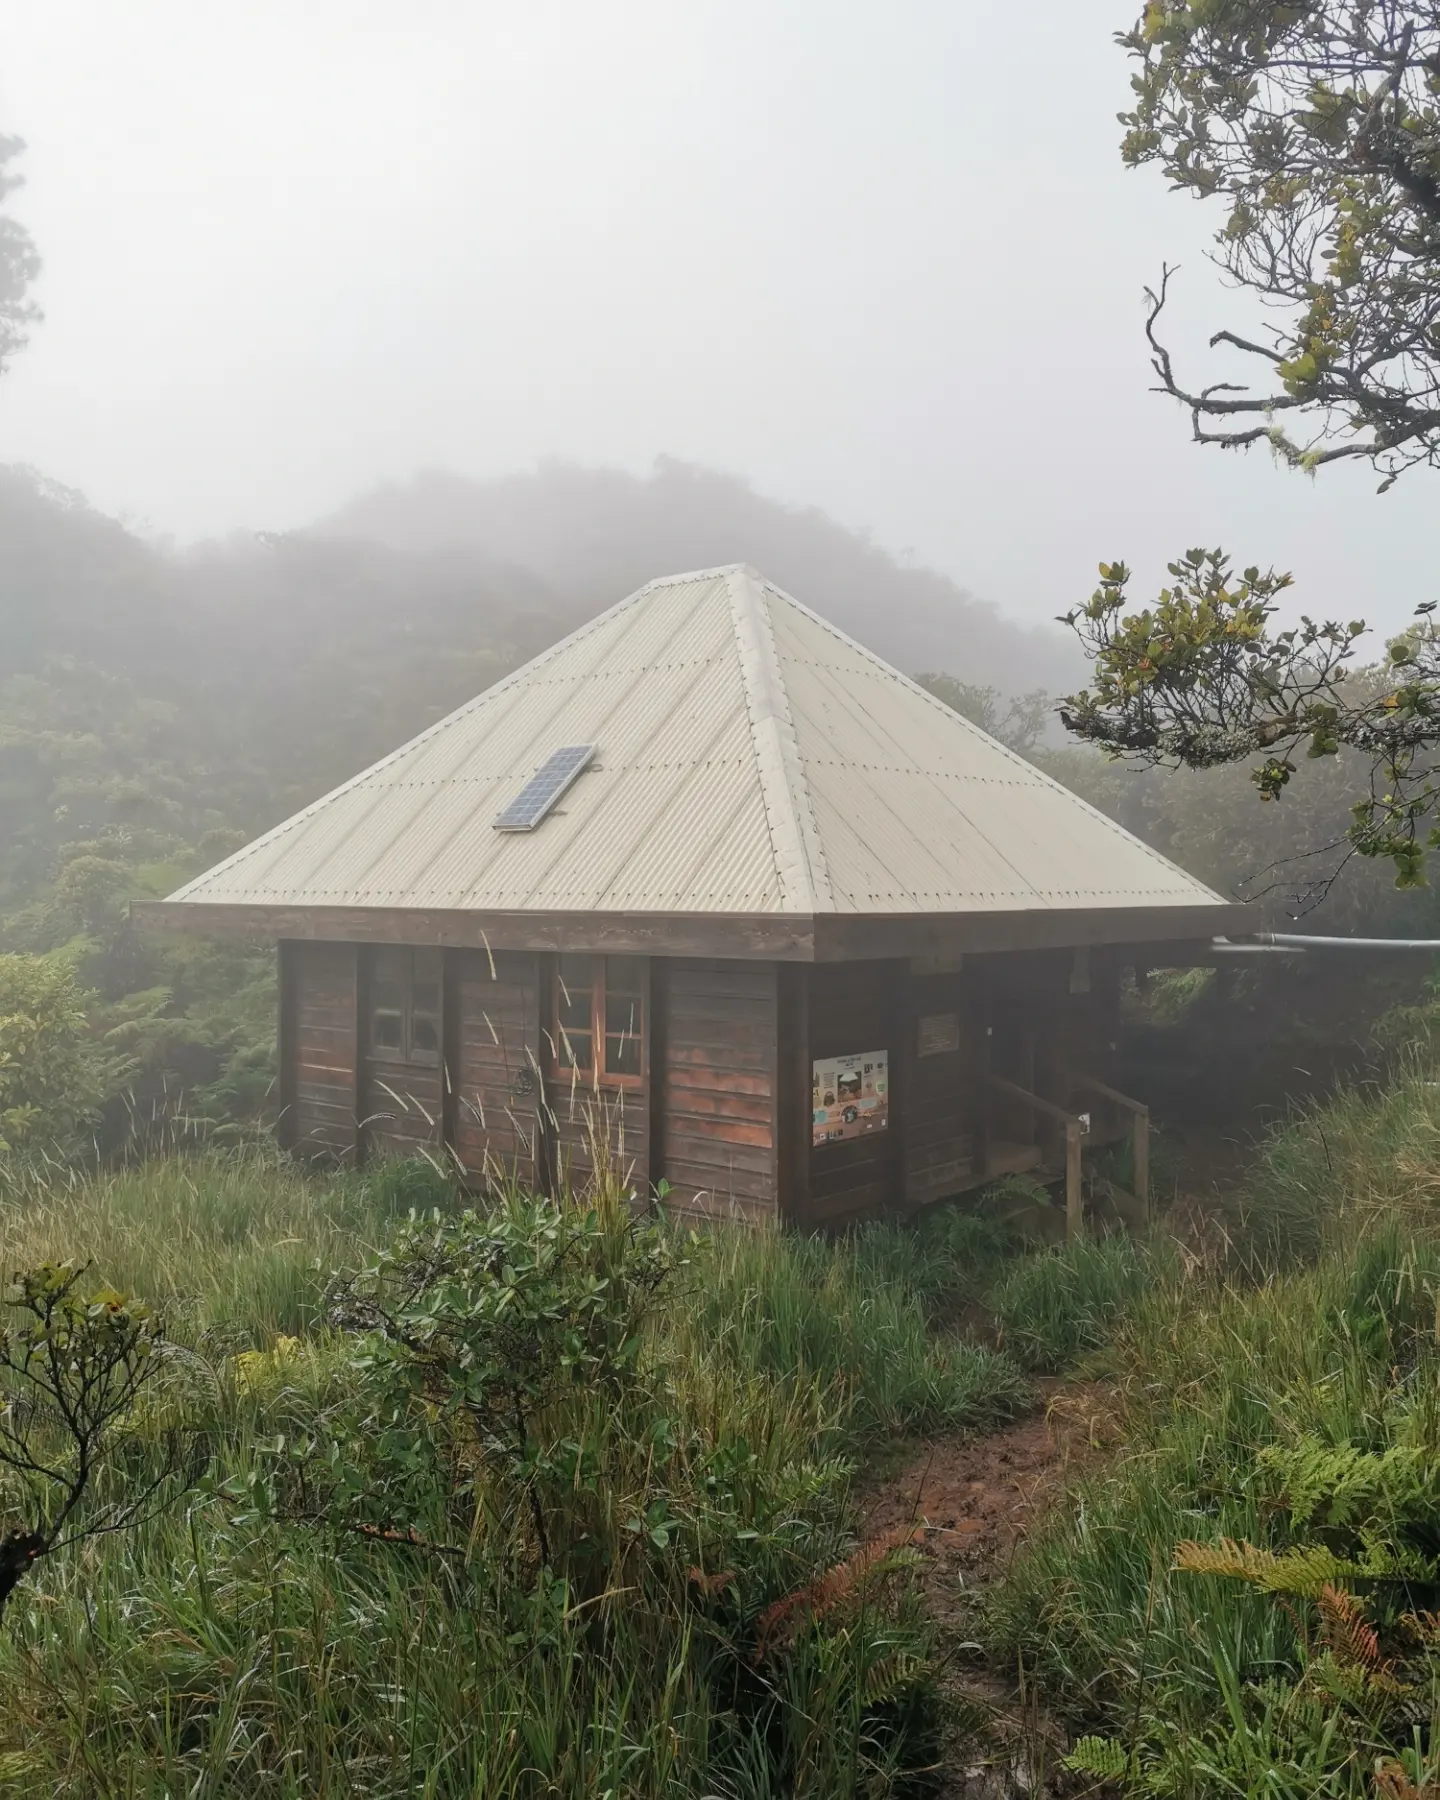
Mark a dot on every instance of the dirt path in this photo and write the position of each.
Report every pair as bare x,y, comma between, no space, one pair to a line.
975,1499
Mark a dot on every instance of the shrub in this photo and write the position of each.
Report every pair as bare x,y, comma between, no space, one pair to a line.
51,1074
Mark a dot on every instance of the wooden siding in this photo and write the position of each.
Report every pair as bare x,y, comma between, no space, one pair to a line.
718,1089
855,1007
493,1087
403,1107
943,1092
318,1039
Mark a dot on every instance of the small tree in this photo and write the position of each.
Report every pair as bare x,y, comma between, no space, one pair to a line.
75,1357
1316,127
51,1075
1201,678
19,263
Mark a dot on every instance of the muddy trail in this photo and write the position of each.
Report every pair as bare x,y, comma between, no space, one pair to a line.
972,1501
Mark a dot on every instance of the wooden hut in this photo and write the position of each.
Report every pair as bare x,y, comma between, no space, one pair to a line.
710,891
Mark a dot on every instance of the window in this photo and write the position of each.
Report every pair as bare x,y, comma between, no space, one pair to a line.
600,1017
405,1005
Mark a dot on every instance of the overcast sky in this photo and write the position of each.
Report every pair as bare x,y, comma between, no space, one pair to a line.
879,258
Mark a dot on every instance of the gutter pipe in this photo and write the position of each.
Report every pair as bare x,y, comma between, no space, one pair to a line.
1291,943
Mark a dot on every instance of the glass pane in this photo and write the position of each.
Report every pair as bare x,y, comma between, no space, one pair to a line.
574,986
425,997
622,1055
622,1013
625,975
576,1050
424,1037
386,1029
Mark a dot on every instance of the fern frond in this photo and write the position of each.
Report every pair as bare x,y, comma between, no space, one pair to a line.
1105,1758
1304,1570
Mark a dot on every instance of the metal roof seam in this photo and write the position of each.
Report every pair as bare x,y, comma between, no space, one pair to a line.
882,670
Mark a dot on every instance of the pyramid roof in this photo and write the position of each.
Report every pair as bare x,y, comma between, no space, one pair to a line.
752,763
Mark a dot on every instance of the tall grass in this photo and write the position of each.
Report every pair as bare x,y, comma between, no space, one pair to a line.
221,1651
1200,1677
1055,1306
1371,1152
242,1239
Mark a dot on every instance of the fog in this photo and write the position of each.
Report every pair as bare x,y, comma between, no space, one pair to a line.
878,260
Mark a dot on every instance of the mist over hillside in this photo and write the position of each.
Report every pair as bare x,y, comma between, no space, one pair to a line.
594,535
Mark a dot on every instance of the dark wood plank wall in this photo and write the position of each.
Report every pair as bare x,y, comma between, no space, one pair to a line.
855,1007
718,1135
493,1064
403,1107
319,1021
942,1145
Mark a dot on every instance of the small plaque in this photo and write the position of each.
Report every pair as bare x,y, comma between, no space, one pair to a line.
939,1033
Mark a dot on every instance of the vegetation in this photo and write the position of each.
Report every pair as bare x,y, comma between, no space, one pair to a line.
1242,1601
541,1500
1317,129
19,263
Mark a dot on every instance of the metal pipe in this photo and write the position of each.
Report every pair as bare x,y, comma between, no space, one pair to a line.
1293,940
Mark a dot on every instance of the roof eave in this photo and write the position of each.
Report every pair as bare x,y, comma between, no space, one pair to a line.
758,937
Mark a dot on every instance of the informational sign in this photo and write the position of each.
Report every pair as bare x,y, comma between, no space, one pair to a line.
938,1033
851,1096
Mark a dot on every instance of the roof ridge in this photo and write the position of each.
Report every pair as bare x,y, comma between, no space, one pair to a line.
1031,770
794,831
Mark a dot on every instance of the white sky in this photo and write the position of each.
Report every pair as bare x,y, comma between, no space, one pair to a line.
879,258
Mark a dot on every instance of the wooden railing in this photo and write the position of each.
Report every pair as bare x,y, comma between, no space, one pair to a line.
1136,1206
1139,1142
1074,1128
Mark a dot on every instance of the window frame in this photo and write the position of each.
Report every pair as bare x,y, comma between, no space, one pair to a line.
405,1052
598,1072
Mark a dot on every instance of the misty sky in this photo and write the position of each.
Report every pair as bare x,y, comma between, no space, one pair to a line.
880,258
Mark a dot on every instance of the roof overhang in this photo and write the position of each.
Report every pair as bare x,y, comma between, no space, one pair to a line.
758,937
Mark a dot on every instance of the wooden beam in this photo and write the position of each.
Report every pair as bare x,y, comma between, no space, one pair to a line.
762,937
285,1044
756,937
1074,1194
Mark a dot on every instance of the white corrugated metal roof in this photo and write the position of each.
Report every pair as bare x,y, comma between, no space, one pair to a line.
751,759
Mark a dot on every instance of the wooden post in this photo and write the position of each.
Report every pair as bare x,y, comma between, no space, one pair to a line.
286,1047
1074,1200
1140,1159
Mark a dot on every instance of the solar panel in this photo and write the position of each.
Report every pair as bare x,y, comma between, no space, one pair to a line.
545,787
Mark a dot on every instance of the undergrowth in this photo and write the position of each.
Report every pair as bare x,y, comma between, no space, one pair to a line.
542,1500
1245,1600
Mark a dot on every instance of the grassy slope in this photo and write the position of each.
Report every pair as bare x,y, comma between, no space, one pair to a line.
216,1652
1284,1393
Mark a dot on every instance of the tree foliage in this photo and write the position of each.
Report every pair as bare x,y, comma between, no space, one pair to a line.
1316,124
75,1357
19,263
1202,678
50,1072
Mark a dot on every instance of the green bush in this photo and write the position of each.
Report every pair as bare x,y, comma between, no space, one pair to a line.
358,1600
1054,1306
51,1072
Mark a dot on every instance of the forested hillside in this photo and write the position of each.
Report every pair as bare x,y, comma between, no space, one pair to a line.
158,708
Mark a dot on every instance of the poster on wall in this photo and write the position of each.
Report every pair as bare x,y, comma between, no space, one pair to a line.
851,1096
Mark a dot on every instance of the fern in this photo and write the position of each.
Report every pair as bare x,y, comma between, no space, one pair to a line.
1104,1758
1340,1486
1304,1570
